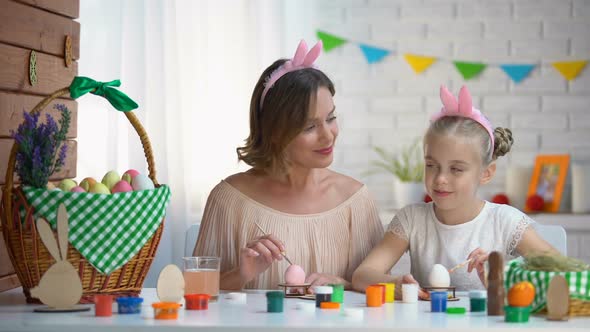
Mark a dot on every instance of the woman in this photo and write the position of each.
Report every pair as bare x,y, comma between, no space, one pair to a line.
325,222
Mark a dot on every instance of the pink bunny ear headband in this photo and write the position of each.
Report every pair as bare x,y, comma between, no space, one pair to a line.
301,60
462,108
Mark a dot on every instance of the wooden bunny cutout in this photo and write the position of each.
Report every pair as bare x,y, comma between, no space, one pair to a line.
60,287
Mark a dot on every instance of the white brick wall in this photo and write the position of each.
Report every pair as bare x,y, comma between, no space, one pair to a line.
387,104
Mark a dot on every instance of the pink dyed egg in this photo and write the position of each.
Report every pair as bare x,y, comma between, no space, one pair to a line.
294,275
121,187
132,173
77,189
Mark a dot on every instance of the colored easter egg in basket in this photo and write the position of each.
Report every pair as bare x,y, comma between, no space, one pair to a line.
77,189
99,188
67,184
142,182
110,179
50,186
87,183
129,175
439,276
121,187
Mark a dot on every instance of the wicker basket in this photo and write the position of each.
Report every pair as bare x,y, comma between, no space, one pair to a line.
31,259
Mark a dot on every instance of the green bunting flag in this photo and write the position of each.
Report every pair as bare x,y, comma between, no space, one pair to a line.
330,41
469,70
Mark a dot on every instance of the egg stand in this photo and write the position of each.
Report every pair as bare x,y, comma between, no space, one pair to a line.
305,295
448,289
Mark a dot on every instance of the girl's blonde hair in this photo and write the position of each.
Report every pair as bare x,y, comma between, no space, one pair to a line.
465,127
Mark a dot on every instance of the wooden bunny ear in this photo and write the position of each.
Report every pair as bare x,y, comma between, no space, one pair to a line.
465,102
47,237
63,230
449,101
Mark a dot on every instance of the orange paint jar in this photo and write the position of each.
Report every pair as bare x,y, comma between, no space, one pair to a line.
383,292
329,305
165,310
103,305
374,295
197,301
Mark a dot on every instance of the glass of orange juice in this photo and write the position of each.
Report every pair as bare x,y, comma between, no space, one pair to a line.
201,275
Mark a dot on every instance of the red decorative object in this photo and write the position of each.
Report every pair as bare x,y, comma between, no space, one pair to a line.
500,199
427,198
535,203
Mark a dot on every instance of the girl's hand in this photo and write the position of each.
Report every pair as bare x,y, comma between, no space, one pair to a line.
258,255
408,279
322,279
478,258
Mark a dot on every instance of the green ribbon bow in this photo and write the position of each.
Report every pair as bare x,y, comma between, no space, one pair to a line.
82,85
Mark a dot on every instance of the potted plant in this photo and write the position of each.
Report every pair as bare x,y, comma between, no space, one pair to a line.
407,167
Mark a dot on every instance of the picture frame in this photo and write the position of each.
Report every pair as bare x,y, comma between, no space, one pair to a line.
548,180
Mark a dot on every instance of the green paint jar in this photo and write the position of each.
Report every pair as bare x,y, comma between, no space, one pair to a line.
516,314
337,293
274,301
478,300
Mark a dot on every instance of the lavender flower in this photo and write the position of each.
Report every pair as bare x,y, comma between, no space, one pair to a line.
41,148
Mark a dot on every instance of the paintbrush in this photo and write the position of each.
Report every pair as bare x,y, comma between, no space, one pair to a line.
460,265
265,233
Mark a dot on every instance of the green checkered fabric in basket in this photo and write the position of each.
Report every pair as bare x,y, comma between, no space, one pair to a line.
578,282
108,230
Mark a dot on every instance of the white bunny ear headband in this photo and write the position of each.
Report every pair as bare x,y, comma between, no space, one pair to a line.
463,108
301,60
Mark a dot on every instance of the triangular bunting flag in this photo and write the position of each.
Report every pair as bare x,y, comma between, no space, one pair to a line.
570,69
517,72
419,63
469,69
330,41
373,54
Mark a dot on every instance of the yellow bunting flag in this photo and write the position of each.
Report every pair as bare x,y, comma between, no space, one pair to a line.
418,62
570,69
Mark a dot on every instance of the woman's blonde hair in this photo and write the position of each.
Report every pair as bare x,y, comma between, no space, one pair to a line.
282,116
465,127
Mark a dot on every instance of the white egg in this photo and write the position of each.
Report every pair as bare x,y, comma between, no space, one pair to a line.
439,276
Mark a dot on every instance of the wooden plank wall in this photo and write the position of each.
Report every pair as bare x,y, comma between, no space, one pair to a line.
40,26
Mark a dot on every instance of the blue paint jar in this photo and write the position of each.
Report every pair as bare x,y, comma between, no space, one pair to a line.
322,294
438,301
129,305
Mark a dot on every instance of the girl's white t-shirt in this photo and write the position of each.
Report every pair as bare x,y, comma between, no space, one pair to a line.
498,227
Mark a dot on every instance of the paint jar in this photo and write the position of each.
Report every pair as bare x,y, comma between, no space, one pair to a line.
236,298
274,301
129,305
389,291
166,310
322,294
438,301
103,305
374,295
516,314
337,293
456,310
330,305
409,293
478,300
383,291
197,301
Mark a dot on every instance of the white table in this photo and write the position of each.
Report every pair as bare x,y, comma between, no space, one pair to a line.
15,315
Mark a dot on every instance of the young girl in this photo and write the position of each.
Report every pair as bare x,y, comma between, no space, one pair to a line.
460,150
